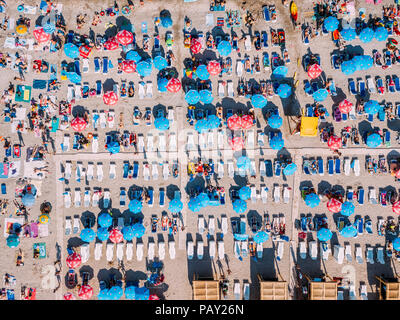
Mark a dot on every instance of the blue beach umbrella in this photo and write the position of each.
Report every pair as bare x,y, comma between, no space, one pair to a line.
320,95
133,55
348,67
204,199
130,292
280,72
71,50
162,85
202,72
374,140
366,35
312,200
74,77
368,62
331,23
138,230
160,62
275,121
128,233
195,205
102,234
224,48
261,237
284,90
240,236
144,68
175,206
192,97
213,122
244,193
358,62
103,295
396,244
161,123
88,235
258,101
135,206
12,241
28,200
348,34
104,220
201,126
113,147
290,169
243,163
381,34
115,293
349,231
142,293
371,107
206,96
166,22
276,143
324,234
347,209
239,206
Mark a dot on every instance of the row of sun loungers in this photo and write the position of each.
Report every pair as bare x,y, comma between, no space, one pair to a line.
334,166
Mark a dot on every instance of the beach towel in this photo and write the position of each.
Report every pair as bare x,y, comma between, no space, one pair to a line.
55,123
29,9
3,170
43,230
210,20
9,43
41,248
8,224
23,93
10,294
14,169
11,24
29,169
34,229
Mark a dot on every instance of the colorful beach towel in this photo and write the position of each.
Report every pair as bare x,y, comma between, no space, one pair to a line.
39,250
4,170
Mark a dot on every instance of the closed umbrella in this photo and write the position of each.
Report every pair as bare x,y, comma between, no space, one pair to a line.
161,123
78,124
12,241
174,85
102,234
110,98
234,122
111,44
280,72
334,142
113,147
213,122
224,48
195,46
396,207
160,62
396,244
258,101
85,292
236,143
144,68
347,208
275,121
284,90
88,235
104,220
366,35
128,66
349,231
276,143
28,200
128,233
334,205
290,169
175,206
348,34
74,260
314,71
243,163
331,23
162,85
206,96
201,126
138,230
124,37
261,237
202,72
324,234
244,193
381,34
116,236
374,140
348,67
133,55
194,205
371,107
345,106
312,200
239,206
214,67
320,95
135,206
247,121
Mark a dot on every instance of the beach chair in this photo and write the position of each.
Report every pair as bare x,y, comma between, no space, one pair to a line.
77,198
120,251
146,172
190,249
135,173
139,251
347,253
129,251
363,292
313,250
338,253
370,255
361,88
372,196
379,255
244,250
105,65
277,194
211,225
253,171
200,249
259,250
150,250
224,224
337,166
330,167
142,92
65,144
68,226
68,169
190,145
149,89
325,250
347,166
262,168
302,250
352,291
211,248
231,170
277,166
356,167
279,249
264,193
210,140
268,168
172,142
165,170
85,252
247,43
221,89
200,225
110,252
260,139
359,256
76,225
99,172
253,194
371,85
86,198
150,191
236,290
221,250
98,250
161,250
320,166
154,170
220,169
162,197
112,171
352,87
286,195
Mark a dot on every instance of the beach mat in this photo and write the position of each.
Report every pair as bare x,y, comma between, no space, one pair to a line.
39,84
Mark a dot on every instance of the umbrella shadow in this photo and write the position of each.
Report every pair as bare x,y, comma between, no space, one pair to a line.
106,274
123,23
75,242
364,127
198,183
78,111
135,276
88,219
108,85
111,32
133,191
254,214
323,186
87,269
171,191
159,108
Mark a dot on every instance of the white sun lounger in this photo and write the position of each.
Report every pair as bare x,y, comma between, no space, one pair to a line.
379,255
221,250
244,249
150,142
347,166
246,291
359,256
372,196
149,89
313,250
120,251
279,250
70,93
302,250
110,252
210,140
170,115
161,250
260,139
253,194
231,170
200,225
250,139
370,255
363,292
286,195
112,172
141,90
202,141
102,119
253,171
262,168
68,226
224,224
230,88
95,199
352,114
172,142
264,194
77,198
95,144
325,253
139,251
86,199
78,172
140,143
220,169
85,252
211,248
146,172
221,89
99,172
154,170
352,291
98,250
162,143
89,173
190,142
347,252
68,169
247,43
85,65
171,249
111,119
277,194
220,139
211,225
78,92
236,248
129,251
200,249
239,67
76,225
190,250
150,250
236,290
106,199
260,250
65,144
356,167
165,170
371,85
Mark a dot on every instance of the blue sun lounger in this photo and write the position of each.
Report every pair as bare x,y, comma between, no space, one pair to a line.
135,170
268,168
125,170
122,198
361,88
330,167
266,13
387,138
305,168
352,87
105,65
321,166
337,166
381,113
361,196
98,87
307,88
96,64
360,225
303,224
265,39
151,193
310,111
162,197
344,117
397,83
277,166
332,88
222,199
370,117
350,195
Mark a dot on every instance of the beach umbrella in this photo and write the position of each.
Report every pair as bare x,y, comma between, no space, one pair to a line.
41,36
130,292
85,51
102,234
49,27
260,237
349,231
334,142
85,292
201,126
202,72
280,72
275,121
347,208
247,121
368,62
43,218
234,122
214,67
175,205
28,200
396,207
312,200
74,260
144,68
128,66
174,85
224,48
194,204
160,62
258,101
381,34
128,233
374,140
236,143
206,96
12,241
239,206
88,235
195,46
243,163
113,147
116,236
161,123
204,199
138,230
324,234
331,23
124,37
320,95
69,296
135,206
276,143
213,122
110,98
348,34
345,106
358,62
134,56
290,169
103,294
142,293
371,107
104,220
348,67
111,44
154,297
74,77
314,71
244,193
334,205
396,244
71,50
366,35
166,22
162,85
284,90
78,124
21,29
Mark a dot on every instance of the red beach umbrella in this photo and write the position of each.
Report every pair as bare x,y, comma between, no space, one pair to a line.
110,98
345,106
247,121
195,46
334,205
236,143
124,37
85,292
334,142
40,35
74,260
314,71
111,44
78,124
116,236
234,122
128,66
214,68
154,297
396,207
174,85
85,51
69,296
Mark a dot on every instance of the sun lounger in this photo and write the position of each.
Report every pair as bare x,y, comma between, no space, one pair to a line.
99,172
371,85
363,292
95,199
110,252
356,167
161,250
338,253
277,166
95,144
129,251
162,197
98,250
202,141
250,139
244,249
221,89
253,194
211,225
149,89
253,171
337,166
286,195
135,173
231,170
211,248
105,65
230,88
236,290
120,251
140,143
68,226
154,170
352,291
76,225
210,140
247,43
142,92
239,67
277,194
372,196
65,144
86,199
352,87
79,172
279,250
321,166
112,171
150,142
379,255
89,172
302,250
165,169
150,250
200,225
347,166
313,250
220,169
224,224
78,92
77,198
330,167
190,250
106,199
325,250
139,251
221,250
359,256
146,172
200,249
85,252
68,169
260,250
190,142
370,255
347,252
340,295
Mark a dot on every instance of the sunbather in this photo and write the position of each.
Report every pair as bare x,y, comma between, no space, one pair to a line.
80,20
